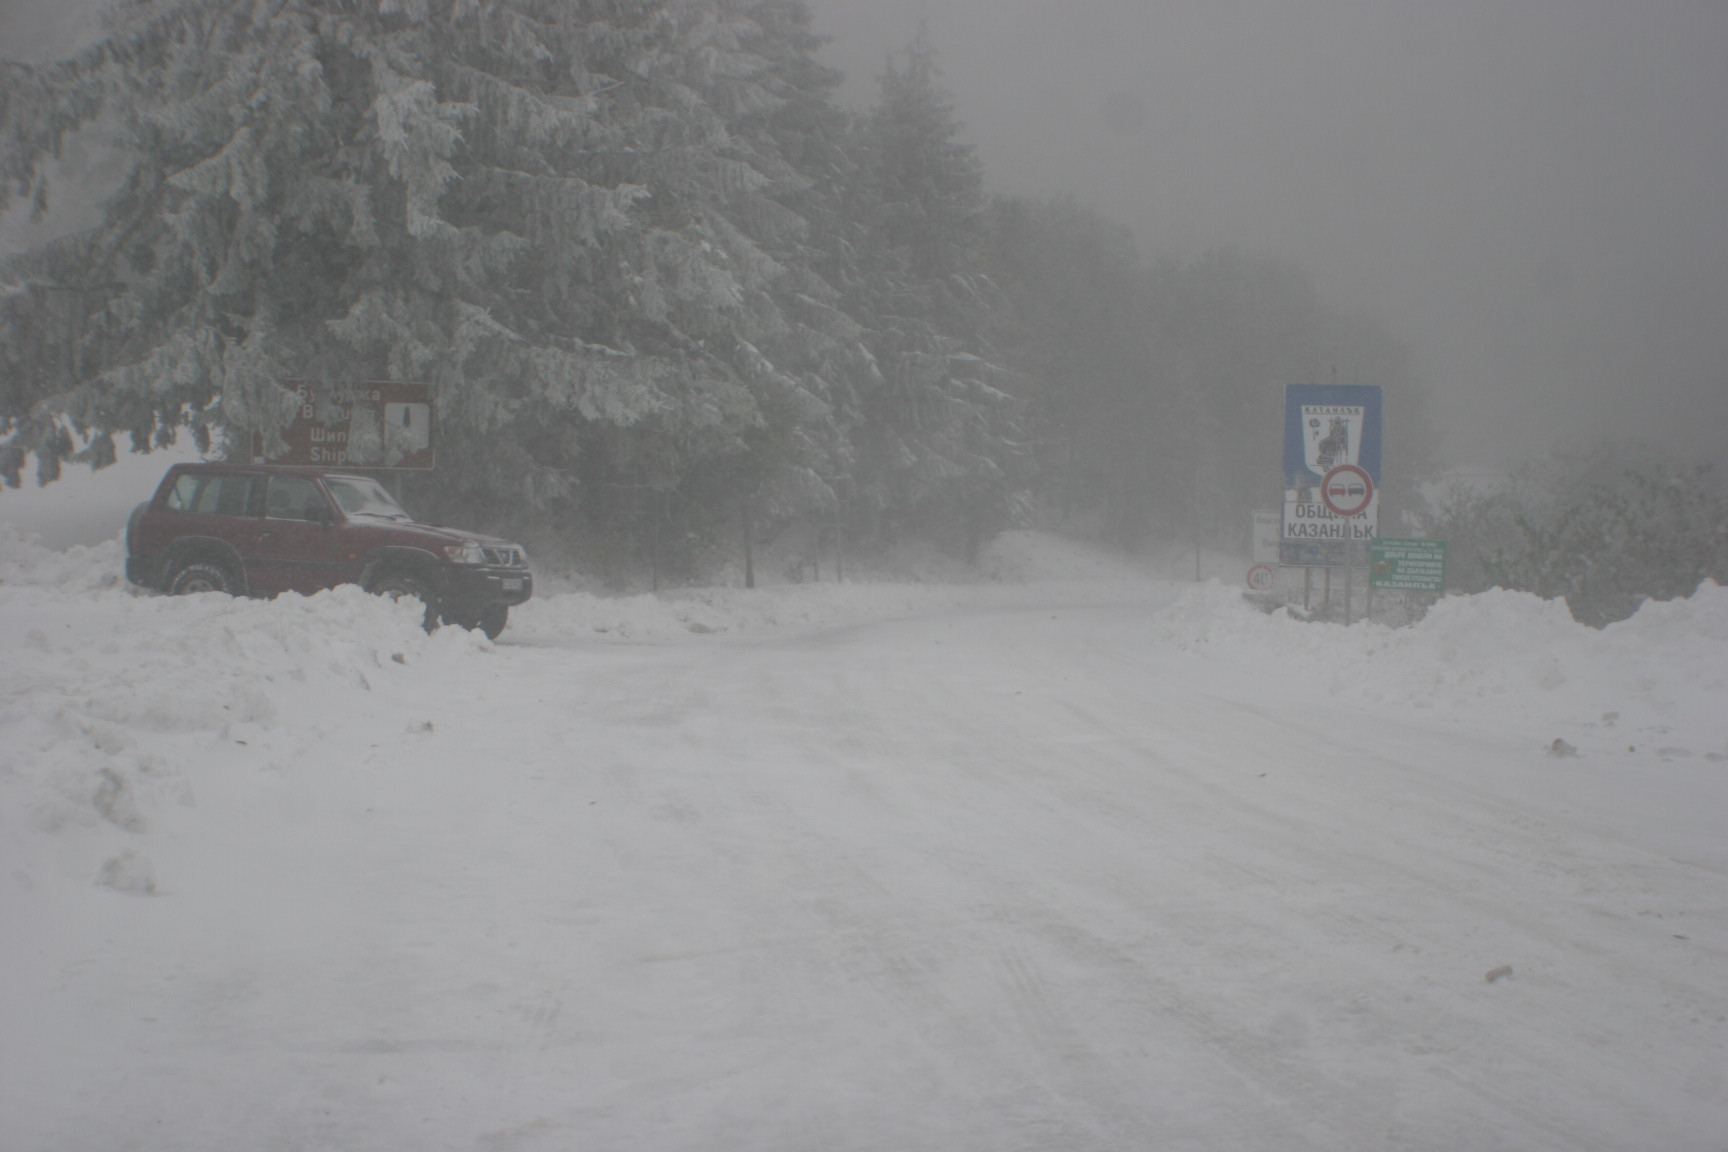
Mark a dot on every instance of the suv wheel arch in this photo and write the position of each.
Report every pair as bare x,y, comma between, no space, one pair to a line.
201,576
198,552
388,562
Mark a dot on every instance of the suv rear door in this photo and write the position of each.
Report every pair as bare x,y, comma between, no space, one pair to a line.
218,508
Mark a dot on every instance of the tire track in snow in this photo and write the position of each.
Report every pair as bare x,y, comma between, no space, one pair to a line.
1313,832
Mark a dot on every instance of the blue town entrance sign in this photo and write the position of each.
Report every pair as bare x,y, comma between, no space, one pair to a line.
1330,431
1326,425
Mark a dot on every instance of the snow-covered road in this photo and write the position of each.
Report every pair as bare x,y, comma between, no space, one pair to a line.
1035,874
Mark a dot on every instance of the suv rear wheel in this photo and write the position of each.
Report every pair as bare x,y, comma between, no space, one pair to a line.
200,576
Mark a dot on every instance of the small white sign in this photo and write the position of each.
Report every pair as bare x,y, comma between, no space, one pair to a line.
409,426
1268,526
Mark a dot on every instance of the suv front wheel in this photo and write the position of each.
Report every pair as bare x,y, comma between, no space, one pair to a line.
401,585
490,620
493,619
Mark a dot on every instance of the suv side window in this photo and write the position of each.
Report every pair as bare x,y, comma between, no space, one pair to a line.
185,492
221,495
294,498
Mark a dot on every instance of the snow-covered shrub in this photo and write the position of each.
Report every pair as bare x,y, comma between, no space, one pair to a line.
1602,536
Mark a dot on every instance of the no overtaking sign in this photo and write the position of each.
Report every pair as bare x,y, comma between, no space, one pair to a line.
1347,490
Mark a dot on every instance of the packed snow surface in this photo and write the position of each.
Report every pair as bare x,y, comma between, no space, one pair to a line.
1072,857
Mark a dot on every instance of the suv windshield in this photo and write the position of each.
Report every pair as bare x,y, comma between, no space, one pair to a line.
362,496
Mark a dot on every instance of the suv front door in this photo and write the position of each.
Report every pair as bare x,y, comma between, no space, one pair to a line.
297,548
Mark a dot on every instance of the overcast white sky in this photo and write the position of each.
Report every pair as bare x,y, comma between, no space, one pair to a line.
1534,193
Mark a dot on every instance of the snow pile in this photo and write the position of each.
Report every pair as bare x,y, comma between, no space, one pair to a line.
80,568
1661,673
174,664
105,689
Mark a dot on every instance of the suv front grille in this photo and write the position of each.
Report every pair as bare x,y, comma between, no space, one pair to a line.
505,557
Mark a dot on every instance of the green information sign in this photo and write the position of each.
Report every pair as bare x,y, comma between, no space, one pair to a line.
1408,565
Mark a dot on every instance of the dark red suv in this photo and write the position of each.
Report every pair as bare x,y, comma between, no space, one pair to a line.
260,530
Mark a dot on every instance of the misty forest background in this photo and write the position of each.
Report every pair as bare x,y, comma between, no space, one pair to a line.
671,296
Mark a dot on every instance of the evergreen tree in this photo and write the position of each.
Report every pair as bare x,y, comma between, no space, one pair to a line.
935,421
1078,330
799,453
538,206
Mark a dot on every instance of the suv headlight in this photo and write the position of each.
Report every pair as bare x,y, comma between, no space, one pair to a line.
466,552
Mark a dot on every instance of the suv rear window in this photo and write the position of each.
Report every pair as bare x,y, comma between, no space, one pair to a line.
220,495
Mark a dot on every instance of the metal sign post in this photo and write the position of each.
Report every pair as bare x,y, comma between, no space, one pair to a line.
1332,436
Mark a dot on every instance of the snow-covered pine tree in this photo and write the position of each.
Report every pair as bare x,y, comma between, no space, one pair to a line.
539,206
803,454
935,426
751,63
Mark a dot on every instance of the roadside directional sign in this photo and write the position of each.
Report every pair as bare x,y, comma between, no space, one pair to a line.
1408,565
376,424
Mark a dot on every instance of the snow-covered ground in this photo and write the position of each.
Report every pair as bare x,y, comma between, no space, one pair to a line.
1073,857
